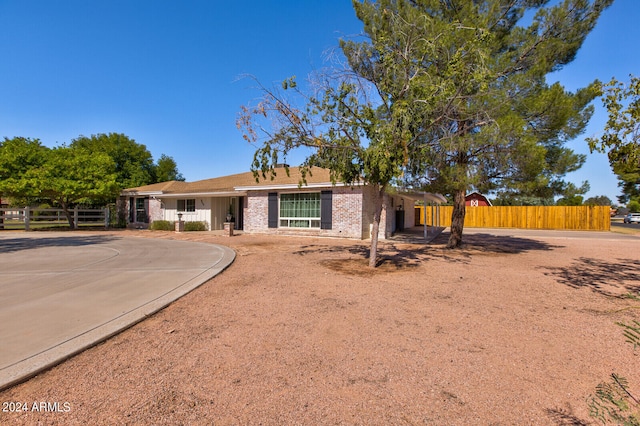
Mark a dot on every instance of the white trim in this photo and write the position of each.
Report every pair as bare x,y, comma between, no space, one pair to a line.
204,194
141,193
427,196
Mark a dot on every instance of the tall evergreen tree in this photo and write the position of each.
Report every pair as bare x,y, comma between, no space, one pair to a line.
471,81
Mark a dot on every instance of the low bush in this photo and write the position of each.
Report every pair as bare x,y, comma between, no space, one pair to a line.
195,226
162,225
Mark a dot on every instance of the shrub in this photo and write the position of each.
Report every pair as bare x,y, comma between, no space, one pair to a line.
162,225
195,226
117,216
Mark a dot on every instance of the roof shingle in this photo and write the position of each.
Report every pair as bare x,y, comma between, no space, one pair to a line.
230,182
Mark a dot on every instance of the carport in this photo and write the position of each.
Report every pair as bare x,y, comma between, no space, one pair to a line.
430,201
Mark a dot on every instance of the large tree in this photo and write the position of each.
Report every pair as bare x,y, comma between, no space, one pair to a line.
166,169
63,175
481,112
343,129
17,156
133,161
73,175
621,137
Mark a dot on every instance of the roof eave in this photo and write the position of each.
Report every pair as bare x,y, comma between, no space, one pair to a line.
292,186
204,194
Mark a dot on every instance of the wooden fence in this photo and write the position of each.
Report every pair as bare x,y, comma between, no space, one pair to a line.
30,217
583,218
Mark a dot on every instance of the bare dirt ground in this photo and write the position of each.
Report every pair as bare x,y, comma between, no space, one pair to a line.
298,331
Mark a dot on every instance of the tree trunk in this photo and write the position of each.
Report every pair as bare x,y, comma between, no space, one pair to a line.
68,214
373,251
457,219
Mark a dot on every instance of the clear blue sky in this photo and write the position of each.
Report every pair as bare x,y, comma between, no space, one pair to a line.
166,72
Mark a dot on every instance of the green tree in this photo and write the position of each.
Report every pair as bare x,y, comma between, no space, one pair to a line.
575,200
478,107
621,137
166,169
342,128
599,200
509,199
72,175
133,162
17,156
62,176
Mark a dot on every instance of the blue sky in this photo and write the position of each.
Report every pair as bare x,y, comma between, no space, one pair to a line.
167,73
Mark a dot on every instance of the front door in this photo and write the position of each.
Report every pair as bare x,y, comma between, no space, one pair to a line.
142,210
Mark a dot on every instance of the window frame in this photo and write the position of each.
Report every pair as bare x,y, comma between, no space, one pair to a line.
188,205
294,222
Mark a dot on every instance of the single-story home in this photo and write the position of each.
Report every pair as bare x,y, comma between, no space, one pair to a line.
276,206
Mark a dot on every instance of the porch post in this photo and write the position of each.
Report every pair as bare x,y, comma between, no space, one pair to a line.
424,214
26,218
433,216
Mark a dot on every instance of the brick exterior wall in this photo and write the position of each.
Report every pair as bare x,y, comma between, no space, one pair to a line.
256,212
346,215
156,211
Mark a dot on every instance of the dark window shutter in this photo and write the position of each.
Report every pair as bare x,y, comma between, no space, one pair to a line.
146,210
326,206
132,210
273,210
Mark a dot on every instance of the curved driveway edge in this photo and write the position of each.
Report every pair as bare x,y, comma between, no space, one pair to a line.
61,293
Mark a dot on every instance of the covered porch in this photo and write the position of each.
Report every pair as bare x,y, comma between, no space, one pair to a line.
427,219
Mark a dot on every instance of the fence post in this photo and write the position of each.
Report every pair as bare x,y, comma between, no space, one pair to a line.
27,218
106,217
75,217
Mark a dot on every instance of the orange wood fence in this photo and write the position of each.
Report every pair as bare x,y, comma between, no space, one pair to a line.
585,218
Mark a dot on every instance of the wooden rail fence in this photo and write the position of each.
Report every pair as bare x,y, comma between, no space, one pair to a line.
583,218
30,217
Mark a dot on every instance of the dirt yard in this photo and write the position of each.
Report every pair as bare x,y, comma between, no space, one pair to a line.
507,331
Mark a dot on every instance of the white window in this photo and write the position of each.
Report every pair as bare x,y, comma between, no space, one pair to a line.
300,210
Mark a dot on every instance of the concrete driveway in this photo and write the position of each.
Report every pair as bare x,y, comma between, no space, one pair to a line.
61,293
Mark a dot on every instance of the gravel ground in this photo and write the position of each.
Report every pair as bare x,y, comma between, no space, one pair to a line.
299,331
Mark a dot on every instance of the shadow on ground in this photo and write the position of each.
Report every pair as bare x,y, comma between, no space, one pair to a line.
399,255
613,278
563,417
496,244
9,245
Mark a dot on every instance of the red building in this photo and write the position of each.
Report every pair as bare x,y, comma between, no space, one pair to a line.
475,199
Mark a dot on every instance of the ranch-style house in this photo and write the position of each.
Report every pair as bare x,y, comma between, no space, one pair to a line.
276,206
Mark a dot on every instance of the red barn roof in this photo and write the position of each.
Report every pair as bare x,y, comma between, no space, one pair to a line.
475,199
